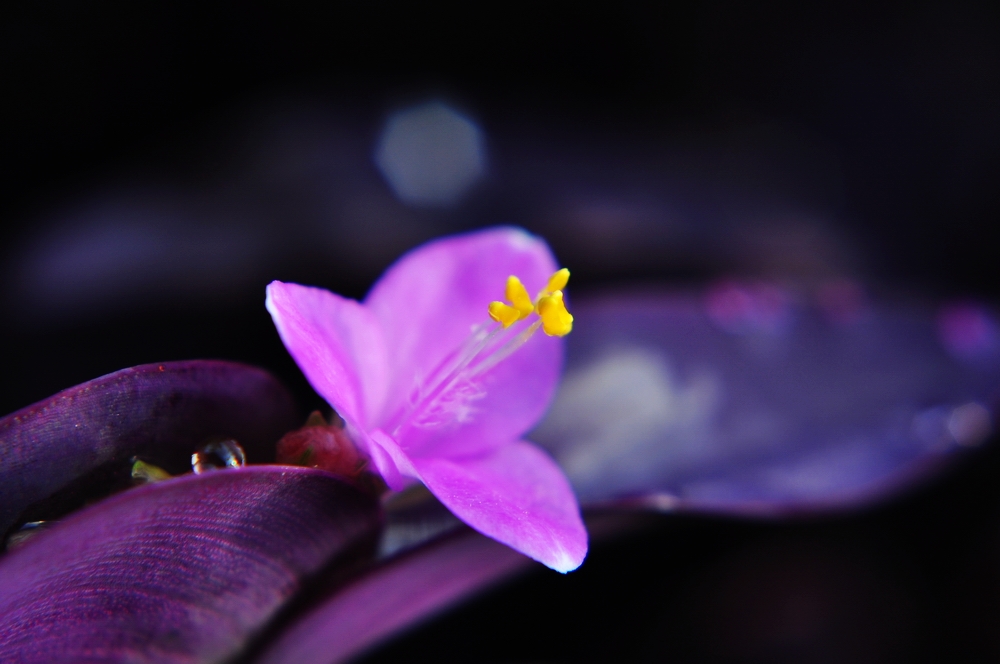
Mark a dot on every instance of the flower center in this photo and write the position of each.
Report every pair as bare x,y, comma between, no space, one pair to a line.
446,395
555,320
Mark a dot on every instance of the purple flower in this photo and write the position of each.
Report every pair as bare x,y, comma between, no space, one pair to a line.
437,381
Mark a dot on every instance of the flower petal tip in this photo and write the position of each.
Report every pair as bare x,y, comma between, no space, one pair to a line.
565,562
516,495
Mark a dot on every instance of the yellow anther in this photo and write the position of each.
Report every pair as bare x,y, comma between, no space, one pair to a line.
556,321
557,281
517,295
504,314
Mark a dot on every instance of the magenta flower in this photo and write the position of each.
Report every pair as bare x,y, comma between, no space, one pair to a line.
438,385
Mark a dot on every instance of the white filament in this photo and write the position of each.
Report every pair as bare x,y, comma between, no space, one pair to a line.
447,393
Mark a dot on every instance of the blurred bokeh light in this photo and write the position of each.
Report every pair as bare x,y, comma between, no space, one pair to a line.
430,154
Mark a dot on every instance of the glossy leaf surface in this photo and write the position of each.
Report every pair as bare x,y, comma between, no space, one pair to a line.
185,570
164,411
678,405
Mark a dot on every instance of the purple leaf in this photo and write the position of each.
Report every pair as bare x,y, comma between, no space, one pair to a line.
400,593
748,402
412,588
161,410
183,570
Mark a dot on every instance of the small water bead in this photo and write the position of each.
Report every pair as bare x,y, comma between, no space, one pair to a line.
218,454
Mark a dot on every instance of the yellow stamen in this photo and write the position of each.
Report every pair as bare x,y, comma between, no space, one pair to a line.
556,321
504,314
517,295
557,281
451,389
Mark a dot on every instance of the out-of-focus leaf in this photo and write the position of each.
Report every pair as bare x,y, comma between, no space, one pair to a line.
398,594
184,570
161,410
677,402
415,586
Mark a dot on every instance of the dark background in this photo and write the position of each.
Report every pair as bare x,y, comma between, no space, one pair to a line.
796,141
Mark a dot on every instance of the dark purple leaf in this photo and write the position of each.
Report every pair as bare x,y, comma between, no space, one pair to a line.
394,596
161,410
414,587
745,401
185,570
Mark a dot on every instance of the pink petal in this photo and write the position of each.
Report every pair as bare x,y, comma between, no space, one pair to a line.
516,495
429,301
390,461
337,343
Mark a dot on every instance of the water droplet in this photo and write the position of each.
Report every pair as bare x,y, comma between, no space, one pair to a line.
218,454
21,536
